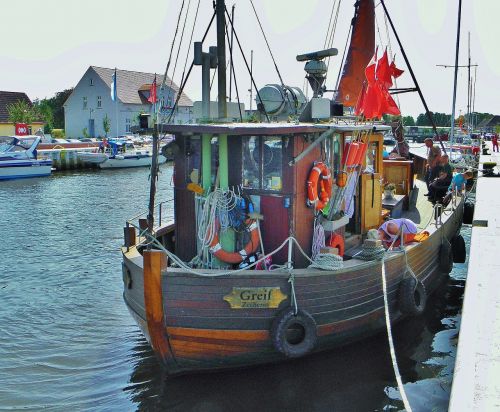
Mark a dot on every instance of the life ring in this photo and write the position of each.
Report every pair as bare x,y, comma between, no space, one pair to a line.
294,335
446,258
237,257
336,241
412,297
319,200
458,249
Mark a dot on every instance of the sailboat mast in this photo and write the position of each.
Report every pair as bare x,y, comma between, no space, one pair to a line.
469,92
456,74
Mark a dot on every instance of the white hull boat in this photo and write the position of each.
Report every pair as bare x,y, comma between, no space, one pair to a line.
138,159
18,161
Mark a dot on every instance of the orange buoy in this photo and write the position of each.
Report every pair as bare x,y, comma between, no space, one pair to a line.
336,241
341,179
319,198
361,154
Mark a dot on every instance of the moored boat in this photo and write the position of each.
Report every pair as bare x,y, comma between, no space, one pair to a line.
19,161
272,254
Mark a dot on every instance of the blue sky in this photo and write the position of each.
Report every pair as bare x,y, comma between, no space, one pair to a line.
58,39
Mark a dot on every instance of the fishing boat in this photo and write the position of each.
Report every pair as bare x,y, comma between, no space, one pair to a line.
18,158
274,253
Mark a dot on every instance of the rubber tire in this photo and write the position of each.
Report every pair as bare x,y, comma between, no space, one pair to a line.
468,213
458,249
282,322
446,258
412,297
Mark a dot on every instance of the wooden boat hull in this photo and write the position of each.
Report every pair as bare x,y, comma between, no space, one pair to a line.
203,332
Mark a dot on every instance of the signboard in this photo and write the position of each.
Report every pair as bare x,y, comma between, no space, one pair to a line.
21,129
255,298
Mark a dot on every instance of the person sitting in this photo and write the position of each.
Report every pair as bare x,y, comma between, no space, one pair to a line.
439,186
433,166
390,232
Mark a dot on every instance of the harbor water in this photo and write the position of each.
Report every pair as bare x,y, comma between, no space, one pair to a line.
68,342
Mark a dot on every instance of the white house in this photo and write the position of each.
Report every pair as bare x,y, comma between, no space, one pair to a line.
90,102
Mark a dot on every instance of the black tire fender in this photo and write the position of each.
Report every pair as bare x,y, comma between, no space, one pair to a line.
468,213
458,249
302,323
446,258
412,297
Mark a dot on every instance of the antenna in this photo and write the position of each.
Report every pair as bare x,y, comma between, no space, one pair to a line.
316,68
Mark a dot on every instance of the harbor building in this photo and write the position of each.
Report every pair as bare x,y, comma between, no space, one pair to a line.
7,128
91,102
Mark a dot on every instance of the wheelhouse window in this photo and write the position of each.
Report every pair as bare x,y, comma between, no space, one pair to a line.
262,162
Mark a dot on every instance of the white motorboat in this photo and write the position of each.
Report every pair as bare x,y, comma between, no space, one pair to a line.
18,160
119,153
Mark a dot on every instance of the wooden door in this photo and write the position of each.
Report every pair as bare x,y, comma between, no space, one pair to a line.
371,201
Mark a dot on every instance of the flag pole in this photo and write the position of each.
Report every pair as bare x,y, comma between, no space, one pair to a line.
116,104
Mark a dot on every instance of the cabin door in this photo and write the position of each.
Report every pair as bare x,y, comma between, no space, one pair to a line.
371,201
91,128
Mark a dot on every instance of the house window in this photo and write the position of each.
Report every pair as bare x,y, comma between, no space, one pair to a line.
262,157
84,103
99,102
91,81
127,125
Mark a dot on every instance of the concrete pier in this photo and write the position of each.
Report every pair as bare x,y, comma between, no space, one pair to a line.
476,382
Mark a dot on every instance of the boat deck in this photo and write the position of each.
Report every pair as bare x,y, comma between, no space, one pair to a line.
477,370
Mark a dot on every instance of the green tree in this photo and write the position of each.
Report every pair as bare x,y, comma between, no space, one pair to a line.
85,133
21,112
106,125
45,112
408,121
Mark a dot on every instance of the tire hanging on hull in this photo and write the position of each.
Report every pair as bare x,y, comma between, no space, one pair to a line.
446,258
412,297
294,335
458,249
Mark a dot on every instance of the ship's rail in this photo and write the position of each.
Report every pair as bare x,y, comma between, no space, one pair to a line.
139,221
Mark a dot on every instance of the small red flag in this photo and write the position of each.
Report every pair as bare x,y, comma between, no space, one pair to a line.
152,92
384,74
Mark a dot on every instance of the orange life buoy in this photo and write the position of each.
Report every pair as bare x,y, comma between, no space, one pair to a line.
321,198
336,241
237,257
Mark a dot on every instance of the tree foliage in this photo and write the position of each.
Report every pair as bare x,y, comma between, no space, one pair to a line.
52,110
22,112
106,124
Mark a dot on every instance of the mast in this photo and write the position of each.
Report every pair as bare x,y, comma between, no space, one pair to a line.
456,75
469,92
221,57
361,49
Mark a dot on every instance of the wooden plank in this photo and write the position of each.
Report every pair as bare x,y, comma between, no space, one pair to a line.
153,300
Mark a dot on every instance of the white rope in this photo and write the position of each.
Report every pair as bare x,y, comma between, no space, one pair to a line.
327,261
318,238
391,343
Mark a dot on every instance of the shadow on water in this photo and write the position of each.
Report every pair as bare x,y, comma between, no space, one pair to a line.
358,377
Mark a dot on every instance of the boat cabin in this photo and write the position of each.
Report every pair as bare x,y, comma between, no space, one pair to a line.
272,165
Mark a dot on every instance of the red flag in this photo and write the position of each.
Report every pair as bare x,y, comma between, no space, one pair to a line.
152,92
395,72
384,71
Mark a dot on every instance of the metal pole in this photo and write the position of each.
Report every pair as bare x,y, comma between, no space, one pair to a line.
427,111
469,94
221,57
251,74
231,68
153,176
457,49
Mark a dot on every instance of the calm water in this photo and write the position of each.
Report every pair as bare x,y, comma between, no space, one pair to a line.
68,343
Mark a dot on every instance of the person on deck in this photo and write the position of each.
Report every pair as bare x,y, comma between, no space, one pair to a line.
433,166
459,181
439,186
389,232
494,140
402,148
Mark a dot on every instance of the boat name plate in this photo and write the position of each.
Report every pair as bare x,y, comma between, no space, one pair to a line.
255,298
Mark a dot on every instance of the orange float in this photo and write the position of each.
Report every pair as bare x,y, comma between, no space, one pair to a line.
341,179
321,198
237,257
336,241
